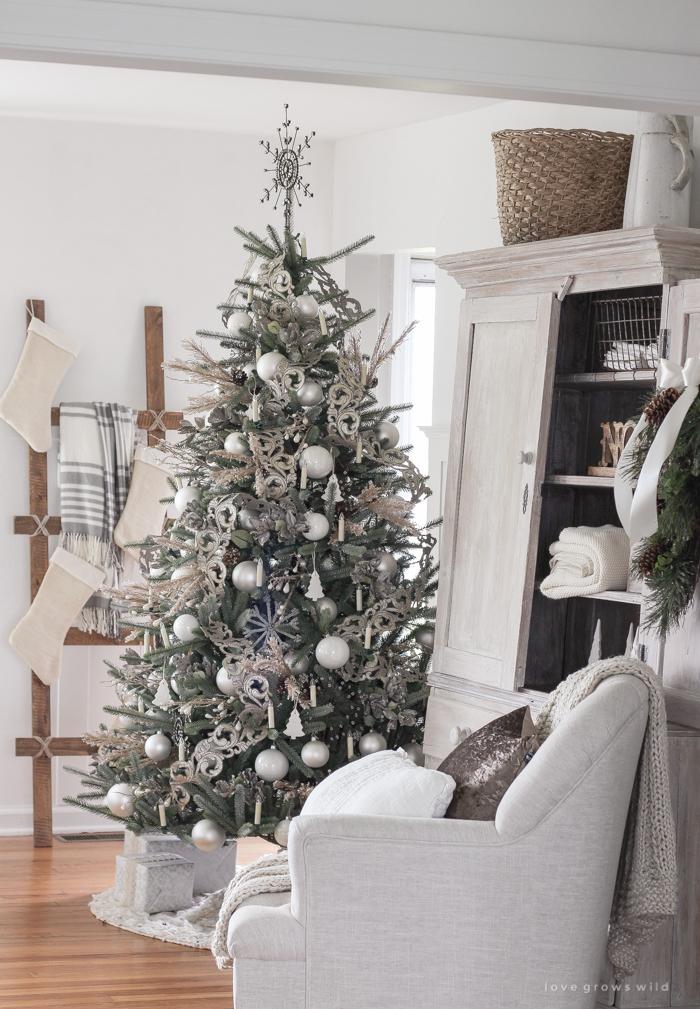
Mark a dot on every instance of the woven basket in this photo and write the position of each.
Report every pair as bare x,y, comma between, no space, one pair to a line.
553,183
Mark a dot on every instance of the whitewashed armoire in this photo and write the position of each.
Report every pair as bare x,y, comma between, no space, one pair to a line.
531,392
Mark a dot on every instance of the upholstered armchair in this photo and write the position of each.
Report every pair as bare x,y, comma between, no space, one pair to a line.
400,913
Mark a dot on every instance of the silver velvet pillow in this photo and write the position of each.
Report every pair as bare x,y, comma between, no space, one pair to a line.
487,763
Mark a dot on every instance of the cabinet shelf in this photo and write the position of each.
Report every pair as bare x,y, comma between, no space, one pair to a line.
606,379
629,598
566,480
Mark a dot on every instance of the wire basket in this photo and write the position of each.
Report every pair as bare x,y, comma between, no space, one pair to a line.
627,332
553,183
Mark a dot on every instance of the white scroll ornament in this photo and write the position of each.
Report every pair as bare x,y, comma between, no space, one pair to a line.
637,508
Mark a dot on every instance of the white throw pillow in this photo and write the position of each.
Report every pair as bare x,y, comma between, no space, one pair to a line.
387,783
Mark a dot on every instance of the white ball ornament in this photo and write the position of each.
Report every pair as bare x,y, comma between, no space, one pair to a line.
249,368
425,636
184,571
245,577
268,365
318,526
208,836
388,434
310,393
387,564
297,664
271,765
415,752
315,753
318,461
324,605
282,833
236,444
237,321
126,722
225,683
185,626
372,742
332,652
308,306
119,800
185,496
158,746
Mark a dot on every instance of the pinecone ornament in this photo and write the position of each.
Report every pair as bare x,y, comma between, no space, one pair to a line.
239,376
647,561
656,410
231,557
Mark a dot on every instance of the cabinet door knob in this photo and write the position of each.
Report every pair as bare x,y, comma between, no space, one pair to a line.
458,735
525,458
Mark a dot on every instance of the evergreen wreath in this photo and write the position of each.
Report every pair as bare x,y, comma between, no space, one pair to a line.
669,560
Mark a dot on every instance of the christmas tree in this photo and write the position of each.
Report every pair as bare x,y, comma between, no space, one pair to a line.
285,617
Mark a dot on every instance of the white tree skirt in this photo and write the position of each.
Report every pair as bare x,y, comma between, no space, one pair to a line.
169,926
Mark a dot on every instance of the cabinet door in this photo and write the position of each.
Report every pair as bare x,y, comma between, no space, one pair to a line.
679,655
503,390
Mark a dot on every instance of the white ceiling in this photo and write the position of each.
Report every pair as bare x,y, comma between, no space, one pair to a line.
243,105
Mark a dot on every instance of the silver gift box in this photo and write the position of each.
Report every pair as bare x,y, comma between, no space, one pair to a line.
213,870
163,884
125,874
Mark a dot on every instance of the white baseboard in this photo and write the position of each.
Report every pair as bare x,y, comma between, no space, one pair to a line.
16,820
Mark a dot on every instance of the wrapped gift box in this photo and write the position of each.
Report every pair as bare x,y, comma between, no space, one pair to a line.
125,874
213,870
163,883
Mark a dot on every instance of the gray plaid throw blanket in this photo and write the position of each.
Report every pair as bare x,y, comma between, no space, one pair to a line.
96,457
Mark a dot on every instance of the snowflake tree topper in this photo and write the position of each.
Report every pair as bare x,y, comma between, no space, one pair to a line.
288,163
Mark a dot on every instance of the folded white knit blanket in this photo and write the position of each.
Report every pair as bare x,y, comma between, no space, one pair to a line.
587,559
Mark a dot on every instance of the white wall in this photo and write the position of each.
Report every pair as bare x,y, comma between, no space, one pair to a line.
100,220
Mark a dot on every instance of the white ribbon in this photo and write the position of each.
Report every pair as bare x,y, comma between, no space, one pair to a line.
637,509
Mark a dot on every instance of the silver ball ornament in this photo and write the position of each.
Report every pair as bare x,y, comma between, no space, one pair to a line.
208,836
297,664
387,564
249,368
268,365
332,652
245,577
318,526
372,742
282,833
185,626
415,752
246,517
271,765
324,605
236,444
237,321
310,393
126,722
308,306
158,746
181,690
315,753
185,496
425,636
388,434
225,683
318,461
119,800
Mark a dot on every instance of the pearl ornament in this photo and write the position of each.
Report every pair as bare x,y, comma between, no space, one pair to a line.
415,752
388,434
185,496
425,636
310,393
318,526
332,652
324,606
119,800
225,683
245,577
318,461
372,742
297,664
271,765
387,564
236,444
185,626
208,836
315,753
268,365
282,833
237,321
308,306
158,746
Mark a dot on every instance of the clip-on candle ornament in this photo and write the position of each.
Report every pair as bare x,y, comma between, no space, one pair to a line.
351,746
322,323
161,814
303,246
341,528
312,694
258,813
368,635
258,353
358,453
256,409
271,715
358,599
304,476
259,573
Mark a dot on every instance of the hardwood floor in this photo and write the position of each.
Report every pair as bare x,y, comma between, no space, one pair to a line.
55,955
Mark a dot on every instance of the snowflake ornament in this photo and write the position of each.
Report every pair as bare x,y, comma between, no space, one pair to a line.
288,163
268,621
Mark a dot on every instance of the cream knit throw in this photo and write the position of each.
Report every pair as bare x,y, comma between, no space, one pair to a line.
587,559
269,874
646,887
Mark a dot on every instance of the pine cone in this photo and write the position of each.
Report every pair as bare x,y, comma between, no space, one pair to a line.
231,557
656,410
647,560
238,376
